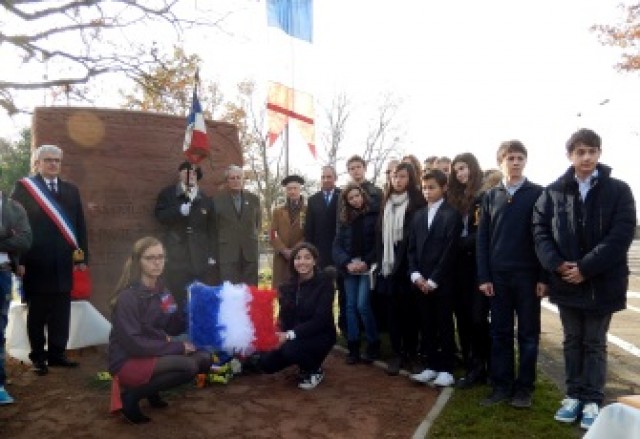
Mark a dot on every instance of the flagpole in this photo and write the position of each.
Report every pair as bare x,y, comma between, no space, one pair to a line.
286,149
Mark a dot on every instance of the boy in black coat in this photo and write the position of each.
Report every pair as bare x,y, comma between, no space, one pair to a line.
583,227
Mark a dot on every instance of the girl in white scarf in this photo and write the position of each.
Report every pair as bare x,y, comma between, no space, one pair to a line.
392,228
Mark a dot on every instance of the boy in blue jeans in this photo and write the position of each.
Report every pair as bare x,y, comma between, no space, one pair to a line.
511,276
584,223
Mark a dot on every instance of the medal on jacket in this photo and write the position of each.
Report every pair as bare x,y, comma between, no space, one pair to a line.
78,255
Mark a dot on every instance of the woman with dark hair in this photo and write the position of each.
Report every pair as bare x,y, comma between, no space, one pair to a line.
401,200
417,167
143,358
471,308
354,252
305,319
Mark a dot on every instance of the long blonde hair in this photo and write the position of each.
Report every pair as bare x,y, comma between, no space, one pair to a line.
131,271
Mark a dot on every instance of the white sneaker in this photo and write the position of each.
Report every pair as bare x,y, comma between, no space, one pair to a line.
444,379
424,377
589,415
311,380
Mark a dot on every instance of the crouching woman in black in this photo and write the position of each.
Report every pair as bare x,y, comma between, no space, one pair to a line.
143,358
305,318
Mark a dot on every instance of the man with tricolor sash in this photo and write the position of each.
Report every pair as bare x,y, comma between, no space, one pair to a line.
54,209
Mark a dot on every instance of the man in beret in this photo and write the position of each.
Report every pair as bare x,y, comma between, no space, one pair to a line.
186,212
287,227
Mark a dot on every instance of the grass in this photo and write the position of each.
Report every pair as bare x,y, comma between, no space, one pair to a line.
463,417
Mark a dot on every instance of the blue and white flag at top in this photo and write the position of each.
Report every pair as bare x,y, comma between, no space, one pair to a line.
196,144
294,17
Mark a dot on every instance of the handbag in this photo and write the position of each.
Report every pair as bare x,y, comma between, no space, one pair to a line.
81,289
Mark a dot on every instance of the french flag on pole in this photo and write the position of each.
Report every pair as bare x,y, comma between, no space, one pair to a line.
196,143
290,97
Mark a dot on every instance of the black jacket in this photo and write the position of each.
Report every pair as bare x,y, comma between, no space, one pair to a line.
15,231
49,262
320,224
504,240
343,243
307,307
596,233
431,251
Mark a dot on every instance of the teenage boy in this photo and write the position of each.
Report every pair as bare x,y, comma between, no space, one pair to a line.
431,251
357,169
584,223
510,275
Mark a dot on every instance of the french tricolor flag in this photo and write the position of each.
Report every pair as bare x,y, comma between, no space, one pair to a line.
290,96
196,144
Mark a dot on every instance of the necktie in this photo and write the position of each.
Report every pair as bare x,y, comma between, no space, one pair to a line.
327,198
52,187
237,203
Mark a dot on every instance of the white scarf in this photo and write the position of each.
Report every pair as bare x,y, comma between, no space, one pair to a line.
392,228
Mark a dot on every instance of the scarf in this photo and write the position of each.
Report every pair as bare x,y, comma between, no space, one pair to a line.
392,228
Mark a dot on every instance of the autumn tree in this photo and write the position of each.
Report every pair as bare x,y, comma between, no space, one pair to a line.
625,35
73,41
14,160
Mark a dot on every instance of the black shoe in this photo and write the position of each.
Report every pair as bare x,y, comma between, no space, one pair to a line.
521,399
372,353
157,402
393,366
352,359
471,379
131,410
496,397
40,368
62,362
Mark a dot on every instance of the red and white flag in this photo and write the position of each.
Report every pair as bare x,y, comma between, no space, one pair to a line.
290,96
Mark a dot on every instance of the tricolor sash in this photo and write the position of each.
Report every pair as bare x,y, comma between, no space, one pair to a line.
54,211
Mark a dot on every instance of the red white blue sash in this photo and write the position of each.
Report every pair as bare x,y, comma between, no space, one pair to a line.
51,207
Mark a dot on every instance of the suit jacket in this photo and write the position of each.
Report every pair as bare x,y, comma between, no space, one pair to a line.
285,235
187,238
320,225
237,233
431,250
49,261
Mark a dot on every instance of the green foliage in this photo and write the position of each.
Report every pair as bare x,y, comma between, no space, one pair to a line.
14,160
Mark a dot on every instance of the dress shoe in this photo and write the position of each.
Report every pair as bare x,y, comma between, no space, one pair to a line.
62,362
471,379
40,368
131,409
157,402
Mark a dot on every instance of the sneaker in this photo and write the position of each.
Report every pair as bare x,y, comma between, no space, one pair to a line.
569,410
311,381
589,415
5,398
444,379
424,377
521,399
495,397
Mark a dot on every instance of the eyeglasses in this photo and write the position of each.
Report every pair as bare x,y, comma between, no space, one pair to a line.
154,258
51,160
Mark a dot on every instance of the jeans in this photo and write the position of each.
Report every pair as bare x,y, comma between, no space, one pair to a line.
5,299
359,303
585,353
515,293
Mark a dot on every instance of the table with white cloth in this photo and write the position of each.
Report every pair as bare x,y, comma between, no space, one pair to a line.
616,421
87,327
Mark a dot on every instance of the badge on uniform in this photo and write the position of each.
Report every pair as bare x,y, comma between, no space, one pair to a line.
78,255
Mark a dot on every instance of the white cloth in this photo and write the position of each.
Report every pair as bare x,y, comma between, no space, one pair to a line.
619,421
185,209
87,327
393,228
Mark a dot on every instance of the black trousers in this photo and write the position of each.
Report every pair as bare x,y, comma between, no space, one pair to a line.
402,315
50,311
308,354
436,327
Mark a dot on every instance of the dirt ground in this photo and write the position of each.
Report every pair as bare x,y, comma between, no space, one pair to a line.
352,402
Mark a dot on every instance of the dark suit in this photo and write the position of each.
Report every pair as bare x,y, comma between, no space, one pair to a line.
48,269
236,237
187,239
320,226
431,252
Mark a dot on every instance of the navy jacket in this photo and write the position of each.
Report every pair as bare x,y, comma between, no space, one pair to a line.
431,251
320,224
504,241
343,243
596,233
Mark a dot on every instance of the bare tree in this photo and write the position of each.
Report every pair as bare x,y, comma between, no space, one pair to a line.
337,116
78,40
383,137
